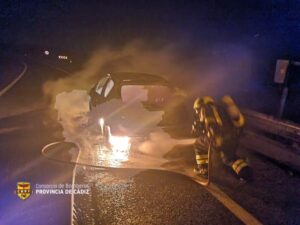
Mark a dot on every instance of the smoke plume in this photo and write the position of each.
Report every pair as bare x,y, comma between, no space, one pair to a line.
226,69
223,69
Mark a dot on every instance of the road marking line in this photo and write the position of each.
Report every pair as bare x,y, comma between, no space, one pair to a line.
237,210
4,90
231,205
73,176
73,184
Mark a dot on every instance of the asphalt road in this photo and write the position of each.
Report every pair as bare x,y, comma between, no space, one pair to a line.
123,196
167,197
146,197
22,135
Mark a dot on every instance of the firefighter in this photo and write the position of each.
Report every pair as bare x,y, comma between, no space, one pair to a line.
221,126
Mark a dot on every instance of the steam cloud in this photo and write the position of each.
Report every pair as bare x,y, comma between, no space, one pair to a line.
225,70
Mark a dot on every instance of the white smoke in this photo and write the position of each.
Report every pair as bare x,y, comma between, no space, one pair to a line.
228,67
199,74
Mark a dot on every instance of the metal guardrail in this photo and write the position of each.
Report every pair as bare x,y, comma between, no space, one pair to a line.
272,125
277,139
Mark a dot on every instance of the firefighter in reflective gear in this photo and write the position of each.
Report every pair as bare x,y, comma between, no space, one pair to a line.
221,124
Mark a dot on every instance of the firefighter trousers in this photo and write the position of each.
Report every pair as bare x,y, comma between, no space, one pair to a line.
227,152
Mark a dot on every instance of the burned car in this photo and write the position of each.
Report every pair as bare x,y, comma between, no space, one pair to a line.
129,105
125,120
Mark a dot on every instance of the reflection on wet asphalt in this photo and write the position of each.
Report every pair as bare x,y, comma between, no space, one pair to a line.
145,197
96,154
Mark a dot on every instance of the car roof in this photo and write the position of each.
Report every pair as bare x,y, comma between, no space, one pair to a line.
138,78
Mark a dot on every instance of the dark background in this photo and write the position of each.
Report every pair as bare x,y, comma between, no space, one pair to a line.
264,25
215,29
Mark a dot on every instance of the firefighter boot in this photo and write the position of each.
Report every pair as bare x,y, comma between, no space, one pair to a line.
242,170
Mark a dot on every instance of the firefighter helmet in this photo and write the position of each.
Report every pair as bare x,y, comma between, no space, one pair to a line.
204,100
197,104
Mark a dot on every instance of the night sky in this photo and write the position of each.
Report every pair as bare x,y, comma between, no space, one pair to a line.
218,47
272,26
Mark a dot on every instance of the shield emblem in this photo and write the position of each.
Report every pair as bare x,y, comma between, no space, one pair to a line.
23,190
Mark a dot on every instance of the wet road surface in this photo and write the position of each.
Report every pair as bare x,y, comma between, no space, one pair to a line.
122,196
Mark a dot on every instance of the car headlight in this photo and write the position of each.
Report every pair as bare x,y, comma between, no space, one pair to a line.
119,143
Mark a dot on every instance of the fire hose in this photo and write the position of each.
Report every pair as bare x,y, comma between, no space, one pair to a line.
209,168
